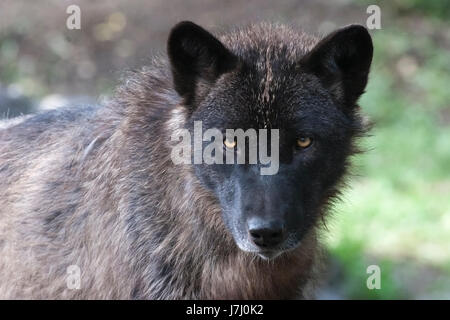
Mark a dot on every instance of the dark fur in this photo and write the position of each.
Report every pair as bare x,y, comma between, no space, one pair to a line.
95,187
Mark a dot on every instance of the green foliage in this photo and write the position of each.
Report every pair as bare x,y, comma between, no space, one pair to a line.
397,214
433,8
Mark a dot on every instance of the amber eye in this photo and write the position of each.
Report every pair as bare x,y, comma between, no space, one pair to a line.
230,144
304,142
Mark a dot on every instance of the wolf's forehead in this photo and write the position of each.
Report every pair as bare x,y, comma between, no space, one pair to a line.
257,39
272,69
271,90
271,53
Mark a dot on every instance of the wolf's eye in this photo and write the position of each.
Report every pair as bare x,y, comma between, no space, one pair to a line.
304,142
230,144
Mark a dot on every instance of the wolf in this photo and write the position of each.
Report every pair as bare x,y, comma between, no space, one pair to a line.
94,189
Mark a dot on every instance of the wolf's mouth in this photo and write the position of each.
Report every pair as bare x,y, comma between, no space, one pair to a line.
269,255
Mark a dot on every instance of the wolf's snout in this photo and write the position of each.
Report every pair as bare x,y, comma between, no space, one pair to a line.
266,234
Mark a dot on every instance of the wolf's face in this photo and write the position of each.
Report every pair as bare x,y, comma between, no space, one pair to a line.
308,96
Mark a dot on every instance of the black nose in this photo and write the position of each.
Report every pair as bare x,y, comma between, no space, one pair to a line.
266,234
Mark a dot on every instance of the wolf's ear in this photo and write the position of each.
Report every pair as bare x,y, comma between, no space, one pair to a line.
196,55
342,62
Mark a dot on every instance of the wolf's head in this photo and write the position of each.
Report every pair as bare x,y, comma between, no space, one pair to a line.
271,77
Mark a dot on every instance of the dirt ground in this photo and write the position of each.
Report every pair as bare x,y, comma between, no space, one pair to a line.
117,35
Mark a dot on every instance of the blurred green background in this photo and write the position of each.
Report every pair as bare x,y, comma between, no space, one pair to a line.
396,210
